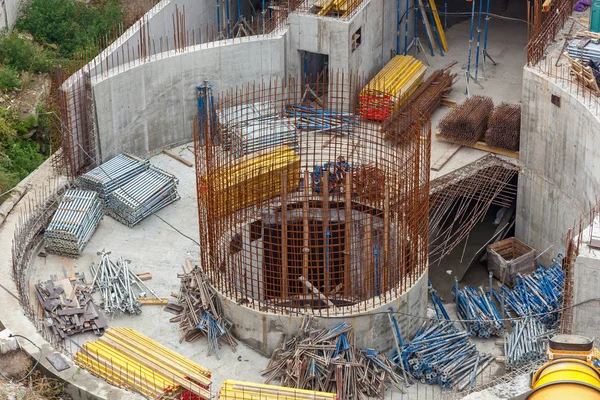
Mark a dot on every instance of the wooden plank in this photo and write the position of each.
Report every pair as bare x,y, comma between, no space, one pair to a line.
448,103
151,301
316,291
484,147
438,25
451,151
427,25
178,158
144,276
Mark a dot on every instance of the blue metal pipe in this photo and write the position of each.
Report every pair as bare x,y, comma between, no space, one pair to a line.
478,37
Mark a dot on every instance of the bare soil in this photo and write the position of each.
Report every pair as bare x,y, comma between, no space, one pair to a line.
15,364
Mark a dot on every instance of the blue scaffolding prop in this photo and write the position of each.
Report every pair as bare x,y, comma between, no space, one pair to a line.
207,118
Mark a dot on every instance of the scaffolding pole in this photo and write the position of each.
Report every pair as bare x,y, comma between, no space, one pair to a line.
478,38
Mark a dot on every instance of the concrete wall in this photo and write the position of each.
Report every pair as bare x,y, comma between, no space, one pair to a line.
9,12
560,159
372,329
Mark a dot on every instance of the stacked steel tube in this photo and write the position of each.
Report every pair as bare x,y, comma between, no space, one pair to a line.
478,309
144,195
113,174
73,224
504,127
426,99
467,123
526,343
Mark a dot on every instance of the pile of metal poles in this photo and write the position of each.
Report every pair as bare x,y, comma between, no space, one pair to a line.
73,223
477,307
113,174
467,123
527,342
313,119
504,127
116,283
539,294
426,99
142,196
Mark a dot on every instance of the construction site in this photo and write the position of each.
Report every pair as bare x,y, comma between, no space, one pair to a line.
318,199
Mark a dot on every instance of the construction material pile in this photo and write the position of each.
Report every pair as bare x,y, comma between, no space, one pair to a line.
504,127
116,283
467,123
70,307
341,8
142,196
73,223
539,293
251,180
113,174
398,79
527,342
132,361
238,390
478,308
585,47
200,312
335,173
421,103
314,119
326,360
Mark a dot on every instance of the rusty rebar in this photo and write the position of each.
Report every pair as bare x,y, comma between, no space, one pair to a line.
504,127
466,123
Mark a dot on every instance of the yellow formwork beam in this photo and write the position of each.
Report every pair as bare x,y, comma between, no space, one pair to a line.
238,390
438,25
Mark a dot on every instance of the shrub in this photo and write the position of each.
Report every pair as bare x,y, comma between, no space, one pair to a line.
22,54
9,79
22,157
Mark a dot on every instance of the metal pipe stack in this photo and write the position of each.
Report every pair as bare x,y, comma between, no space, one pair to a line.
527,342
584,48
467,123
113,174
73,223
313,119
116,283
504,127
142,196
478,308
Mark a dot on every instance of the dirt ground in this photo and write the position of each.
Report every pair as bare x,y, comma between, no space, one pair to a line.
15,364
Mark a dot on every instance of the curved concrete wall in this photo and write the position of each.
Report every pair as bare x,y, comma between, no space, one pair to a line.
560,159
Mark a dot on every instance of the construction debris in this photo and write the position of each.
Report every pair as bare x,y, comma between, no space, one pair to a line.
478,308
142,196
467,123
132,361
237,390
113,174
326,360
200,312
116,283
527,342
390,87
73,223
504,127
69,308
426,99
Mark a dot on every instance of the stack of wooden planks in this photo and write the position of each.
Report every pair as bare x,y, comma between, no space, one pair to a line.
390,87
70,307
340,8
130,360
250,180
237,390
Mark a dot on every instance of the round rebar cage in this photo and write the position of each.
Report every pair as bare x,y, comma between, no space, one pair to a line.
304,205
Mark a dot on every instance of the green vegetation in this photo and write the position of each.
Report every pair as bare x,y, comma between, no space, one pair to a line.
18,51
9,79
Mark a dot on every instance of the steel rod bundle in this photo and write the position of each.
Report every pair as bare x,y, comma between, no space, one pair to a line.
313,119
116,283
135,362
390,87
144,195
73,223
467,122
113,174
504,127
327,360
478,307
201,313
426,99
538,294
237,390
527,342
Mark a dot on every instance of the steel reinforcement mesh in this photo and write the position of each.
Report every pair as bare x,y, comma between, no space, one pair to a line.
302,204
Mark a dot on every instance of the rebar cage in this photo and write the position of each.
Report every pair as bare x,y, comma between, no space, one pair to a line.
304,205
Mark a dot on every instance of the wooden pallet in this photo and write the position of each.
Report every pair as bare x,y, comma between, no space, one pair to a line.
583,75
484,147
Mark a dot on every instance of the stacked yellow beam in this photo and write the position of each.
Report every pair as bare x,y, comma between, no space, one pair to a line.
135,362
237,390
392,85
251,180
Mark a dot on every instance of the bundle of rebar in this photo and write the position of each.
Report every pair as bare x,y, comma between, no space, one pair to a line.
200,312
425,100
113,174
144,195
527,342
477,307
467,123
313,119
504,127
73,223
116,283
326,360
